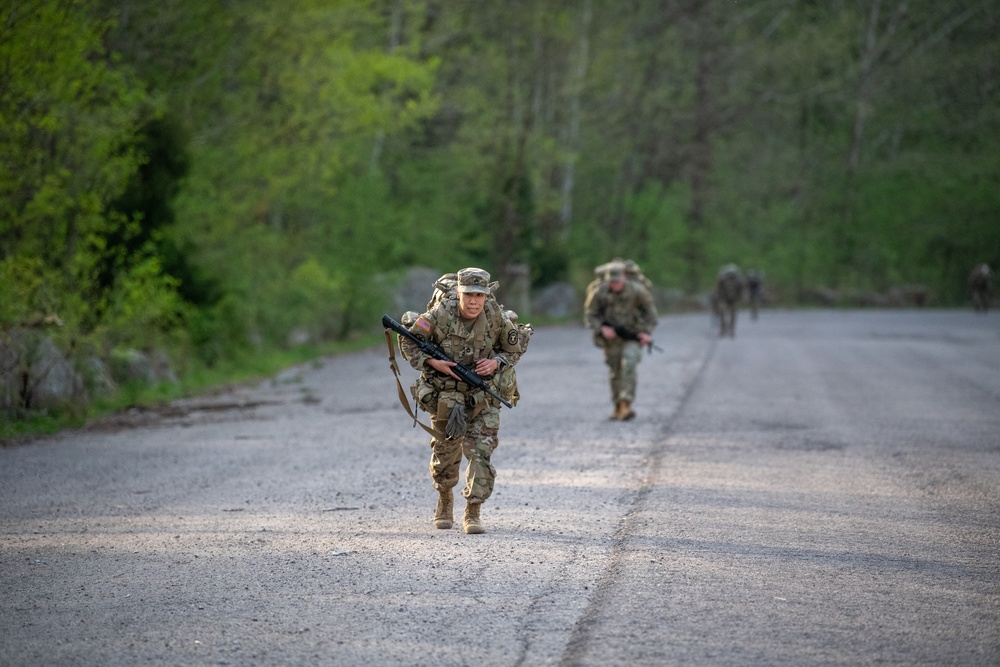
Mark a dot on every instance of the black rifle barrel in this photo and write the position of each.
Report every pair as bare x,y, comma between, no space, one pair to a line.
434,350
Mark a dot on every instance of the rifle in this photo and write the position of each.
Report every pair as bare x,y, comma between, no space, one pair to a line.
628,334
434,350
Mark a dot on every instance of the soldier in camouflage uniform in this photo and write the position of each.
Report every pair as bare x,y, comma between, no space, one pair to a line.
728,293
755,285
981,287
627,304
475,331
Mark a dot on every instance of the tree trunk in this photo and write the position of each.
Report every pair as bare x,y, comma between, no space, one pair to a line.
873,48
573,132
701,152
395,28
514,185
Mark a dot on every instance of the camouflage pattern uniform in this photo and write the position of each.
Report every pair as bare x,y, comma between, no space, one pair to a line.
633,309
491,335
981,286
755,282
728,293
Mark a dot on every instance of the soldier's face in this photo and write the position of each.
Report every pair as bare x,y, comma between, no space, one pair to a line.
616,285
471,304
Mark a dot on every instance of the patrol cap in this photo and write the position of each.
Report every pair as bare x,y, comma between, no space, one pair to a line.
473,280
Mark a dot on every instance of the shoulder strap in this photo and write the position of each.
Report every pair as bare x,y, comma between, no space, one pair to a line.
402,395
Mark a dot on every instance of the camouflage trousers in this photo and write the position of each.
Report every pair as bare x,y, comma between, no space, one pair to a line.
622,357
477,445
981,300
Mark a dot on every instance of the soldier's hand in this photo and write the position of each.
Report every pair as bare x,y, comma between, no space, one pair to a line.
486,367
442,367
645,338
608,332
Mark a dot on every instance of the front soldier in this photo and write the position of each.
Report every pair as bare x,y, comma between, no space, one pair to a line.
473,330
622,315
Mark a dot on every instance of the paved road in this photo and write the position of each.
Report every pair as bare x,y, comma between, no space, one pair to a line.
824,490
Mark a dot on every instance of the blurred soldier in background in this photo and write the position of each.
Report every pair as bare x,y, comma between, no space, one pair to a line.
622,315
981,286
728,292
755,286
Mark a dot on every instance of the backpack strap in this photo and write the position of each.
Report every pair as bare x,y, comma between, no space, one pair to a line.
402,395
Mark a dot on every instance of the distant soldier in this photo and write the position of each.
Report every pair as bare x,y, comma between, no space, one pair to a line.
728,292
981,286
755,285
622,315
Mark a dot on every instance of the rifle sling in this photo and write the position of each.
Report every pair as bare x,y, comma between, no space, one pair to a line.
402,395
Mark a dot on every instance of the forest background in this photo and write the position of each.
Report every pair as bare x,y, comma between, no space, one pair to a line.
202,179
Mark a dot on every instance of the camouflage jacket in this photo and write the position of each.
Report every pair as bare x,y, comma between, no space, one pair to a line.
492,335
729,286
632,308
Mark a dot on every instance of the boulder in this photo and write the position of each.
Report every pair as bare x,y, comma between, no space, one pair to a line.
414,290
35,374
130,365
97,377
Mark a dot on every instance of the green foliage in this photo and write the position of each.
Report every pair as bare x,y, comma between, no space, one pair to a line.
317,297
33,425
144,306
23,290
211,177
302,192
68,118
222,331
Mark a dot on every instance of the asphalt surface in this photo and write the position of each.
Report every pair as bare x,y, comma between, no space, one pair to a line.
824,489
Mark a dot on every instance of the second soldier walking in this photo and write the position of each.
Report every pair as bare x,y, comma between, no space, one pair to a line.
622,316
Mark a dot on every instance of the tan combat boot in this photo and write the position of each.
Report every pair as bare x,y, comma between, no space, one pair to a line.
443,517
622,411
471,522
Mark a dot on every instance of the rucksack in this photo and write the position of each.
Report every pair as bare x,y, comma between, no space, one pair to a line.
507,379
